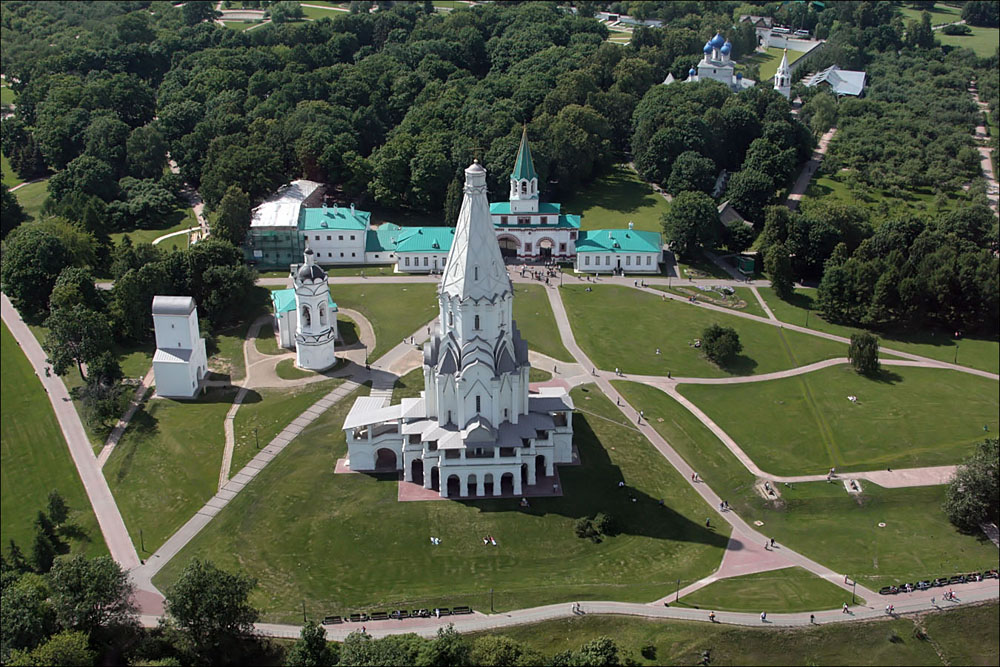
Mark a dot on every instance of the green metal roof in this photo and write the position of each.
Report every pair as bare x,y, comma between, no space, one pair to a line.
618,240
425,239
283,301
333,217
524,168
544,208
382,239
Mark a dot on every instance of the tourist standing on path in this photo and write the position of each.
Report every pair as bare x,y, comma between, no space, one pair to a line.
763,617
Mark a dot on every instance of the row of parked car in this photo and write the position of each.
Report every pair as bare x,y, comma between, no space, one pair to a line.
399,614
940,581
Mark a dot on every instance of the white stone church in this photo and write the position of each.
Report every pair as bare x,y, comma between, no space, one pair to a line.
475,431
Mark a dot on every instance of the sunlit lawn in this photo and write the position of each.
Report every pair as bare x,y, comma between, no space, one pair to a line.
983,41
620,327
821,520
395,311
341,542
778,591
801,309
34,460
903,418
616,199
32,196
10,179
182,218
534,318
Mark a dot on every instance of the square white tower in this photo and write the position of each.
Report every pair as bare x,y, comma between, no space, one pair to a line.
180,361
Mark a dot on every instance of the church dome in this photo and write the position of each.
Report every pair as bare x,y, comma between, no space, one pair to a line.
739,76
310,271
708,47
692,72
726,49
718,40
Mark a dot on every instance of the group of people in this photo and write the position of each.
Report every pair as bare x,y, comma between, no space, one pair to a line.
489,540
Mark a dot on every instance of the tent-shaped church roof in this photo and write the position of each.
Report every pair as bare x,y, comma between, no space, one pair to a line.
524,168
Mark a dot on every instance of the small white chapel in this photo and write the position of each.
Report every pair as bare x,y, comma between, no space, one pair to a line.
307,316
475,430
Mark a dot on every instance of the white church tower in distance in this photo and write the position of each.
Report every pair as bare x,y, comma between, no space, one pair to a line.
476,430
524,180
316,326
783,77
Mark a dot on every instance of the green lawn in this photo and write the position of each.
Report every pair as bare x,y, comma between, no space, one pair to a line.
182,218
287,370
906,417
821,520
962,636
883,204
166,465
538,375
7,95
10,179
32,196
267,342
409,385
741,300
982,40
309,535
977,353
940,14
621,327
268,411
318,13
778,591
534,318
767,63
34,460
226,351
616,199
395,311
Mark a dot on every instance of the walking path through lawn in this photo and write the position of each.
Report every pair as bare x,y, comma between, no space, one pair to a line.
798,190
108,517
119,429
992,190
177,233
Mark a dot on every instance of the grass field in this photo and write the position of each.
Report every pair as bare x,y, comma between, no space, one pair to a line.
7,95
778,591
318,13
940,14
534,318
741,300
904,418
963,636
395,311
820,520
306,533
260,421
182,218
287,370
538,375
10,179
977,353
616,199
167,465
767,63
34,459
884,204
409,385
982,40
621,327
266,342
32,196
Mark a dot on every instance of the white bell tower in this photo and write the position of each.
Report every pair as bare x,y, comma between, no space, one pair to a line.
316,322
783,77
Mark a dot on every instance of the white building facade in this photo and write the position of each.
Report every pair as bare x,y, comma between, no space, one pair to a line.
476,430
717,64
783,77
180,361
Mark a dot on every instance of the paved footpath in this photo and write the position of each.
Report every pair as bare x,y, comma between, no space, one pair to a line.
798,190
108,517
119,429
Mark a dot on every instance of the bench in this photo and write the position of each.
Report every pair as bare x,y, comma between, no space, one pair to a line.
378,616
444,611
357,618
420,613
332,620
399,614
461,610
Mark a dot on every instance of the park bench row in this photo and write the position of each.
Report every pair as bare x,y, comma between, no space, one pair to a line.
397,615
940,581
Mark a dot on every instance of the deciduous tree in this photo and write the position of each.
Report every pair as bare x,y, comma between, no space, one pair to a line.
863,353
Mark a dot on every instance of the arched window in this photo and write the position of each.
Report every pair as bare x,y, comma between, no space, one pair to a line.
524,187
306,317
475,273
477,323
532,187
451,320
322,315
479,405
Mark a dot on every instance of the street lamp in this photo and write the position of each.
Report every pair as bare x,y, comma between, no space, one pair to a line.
255,438
491,600
956,353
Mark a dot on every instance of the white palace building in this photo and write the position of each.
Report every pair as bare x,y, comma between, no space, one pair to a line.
475,431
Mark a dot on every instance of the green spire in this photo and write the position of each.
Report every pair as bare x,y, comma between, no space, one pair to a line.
524,168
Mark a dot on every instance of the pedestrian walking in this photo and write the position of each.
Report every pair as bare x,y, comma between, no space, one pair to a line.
932,602
763,617
772,542
711,616
812,618
844,610
708,522
766,548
